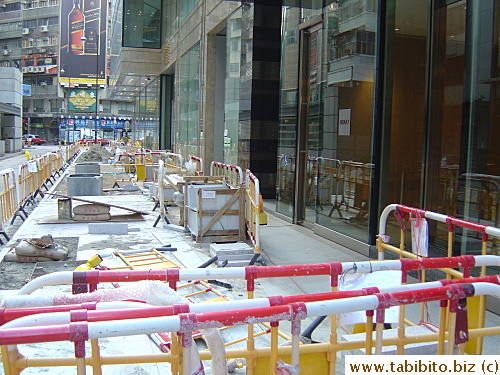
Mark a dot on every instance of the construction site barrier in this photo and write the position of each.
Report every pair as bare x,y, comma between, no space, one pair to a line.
232,174
489,236
342,185
254,209
180,320
173,162
143,166
198,162
15,194
8,196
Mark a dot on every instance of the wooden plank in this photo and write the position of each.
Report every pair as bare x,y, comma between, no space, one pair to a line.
101,203
219,214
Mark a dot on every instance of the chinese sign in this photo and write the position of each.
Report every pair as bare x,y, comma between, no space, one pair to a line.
82,100
76,123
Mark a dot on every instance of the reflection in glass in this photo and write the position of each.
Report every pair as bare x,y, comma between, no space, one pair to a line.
141,23
336,97
232,87
188,131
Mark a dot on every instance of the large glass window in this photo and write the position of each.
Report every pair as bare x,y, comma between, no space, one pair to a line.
170,18
141,23
189,101
405,104
146,114
326,115
186,6
288,111
232,83
479,173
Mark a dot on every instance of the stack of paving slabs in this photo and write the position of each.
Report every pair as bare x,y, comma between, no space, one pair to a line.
91,212
34,250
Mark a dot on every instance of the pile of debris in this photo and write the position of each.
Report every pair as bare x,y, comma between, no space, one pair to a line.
34,250
95,153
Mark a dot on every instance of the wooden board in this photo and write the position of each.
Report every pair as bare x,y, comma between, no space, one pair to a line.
114,218
101,203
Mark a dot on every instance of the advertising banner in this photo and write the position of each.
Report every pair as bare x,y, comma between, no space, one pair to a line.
82,50
26,90
78,123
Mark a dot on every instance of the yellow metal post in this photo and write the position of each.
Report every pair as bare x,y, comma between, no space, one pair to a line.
274,347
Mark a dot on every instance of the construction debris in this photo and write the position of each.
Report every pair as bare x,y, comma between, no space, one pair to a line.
95,153
34,250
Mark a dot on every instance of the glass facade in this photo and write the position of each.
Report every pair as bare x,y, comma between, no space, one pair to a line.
397,104
146,115
141,23
391,105
189,135
326,115
232,89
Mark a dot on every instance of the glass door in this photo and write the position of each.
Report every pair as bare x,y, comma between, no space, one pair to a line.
310,124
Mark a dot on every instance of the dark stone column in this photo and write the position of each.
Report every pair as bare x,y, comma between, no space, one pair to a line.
259,95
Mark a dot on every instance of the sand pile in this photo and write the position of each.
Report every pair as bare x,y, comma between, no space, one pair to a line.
95,153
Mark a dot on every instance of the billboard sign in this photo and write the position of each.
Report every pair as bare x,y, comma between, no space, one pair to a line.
82,100
74,123
82,50
26,90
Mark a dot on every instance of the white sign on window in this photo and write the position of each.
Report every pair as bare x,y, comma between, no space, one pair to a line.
344,121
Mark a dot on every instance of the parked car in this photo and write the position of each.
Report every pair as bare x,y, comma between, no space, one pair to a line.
34,138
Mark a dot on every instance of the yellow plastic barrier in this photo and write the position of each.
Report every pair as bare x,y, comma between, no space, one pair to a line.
476,317
8,196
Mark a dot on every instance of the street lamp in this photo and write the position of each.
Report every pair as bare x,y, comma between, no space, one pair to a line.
67,103
84,40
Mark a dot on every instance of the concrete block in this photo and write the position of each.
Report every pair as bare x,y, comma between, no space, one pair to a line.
237,254
64,208
237,248
84,184
88,168
108,228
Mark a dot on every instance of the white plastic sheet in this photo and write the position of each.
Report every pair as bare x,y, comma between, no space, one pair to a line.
355,281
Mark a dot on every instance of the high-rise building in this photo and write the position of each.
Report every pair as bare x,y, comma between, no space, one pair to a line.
339,107
29,41
66,83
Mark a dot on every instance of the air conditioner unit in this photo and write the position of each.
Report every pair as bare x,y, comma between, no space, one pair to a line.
31,69
5,52
26,31
24,69
43,50
45,28
43,83
29,51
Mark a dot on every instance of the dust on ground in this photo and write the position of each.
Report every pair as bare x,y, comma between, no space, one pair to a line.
14,275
